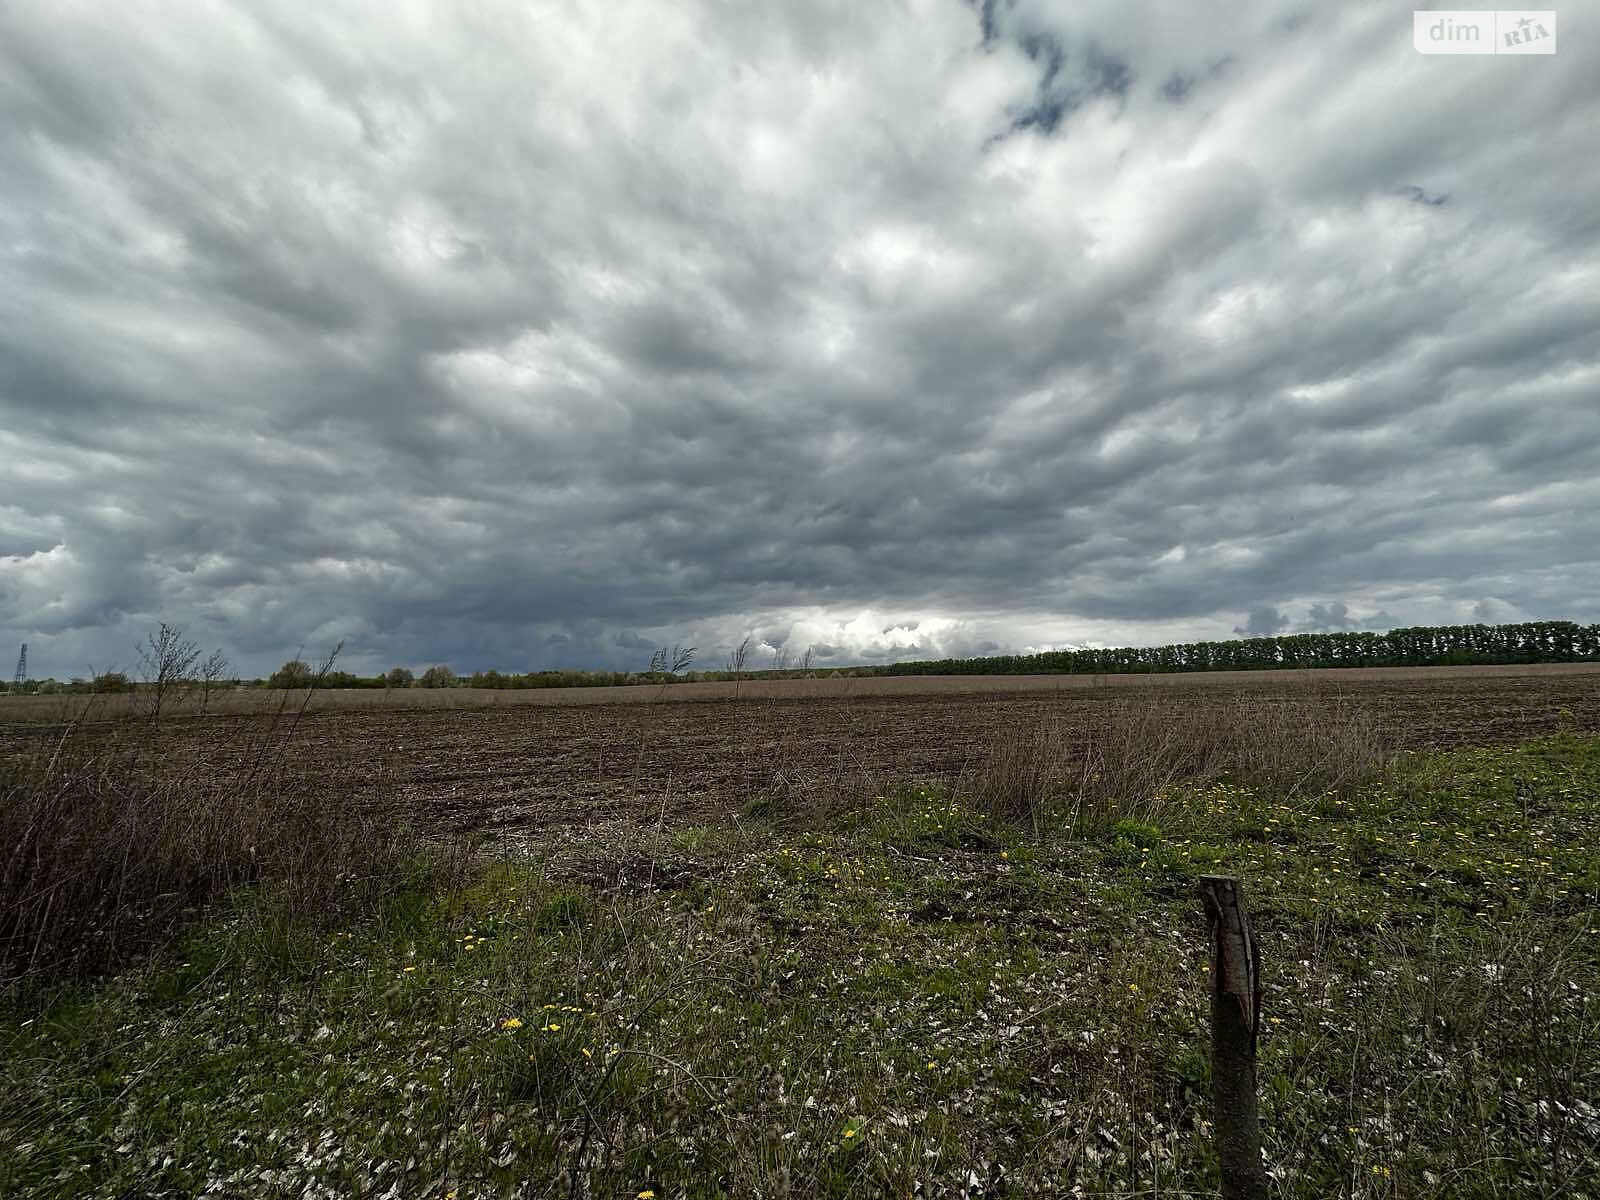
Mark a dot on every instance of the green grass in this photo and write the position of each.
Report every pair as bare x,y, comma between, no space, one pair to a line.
903,1002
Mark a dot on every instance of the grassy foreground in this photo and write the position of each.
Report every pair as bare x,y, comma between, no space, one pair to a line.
910,1000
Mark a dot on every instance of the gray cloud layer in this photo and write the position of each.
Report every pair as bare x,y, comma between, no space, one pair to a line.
529,335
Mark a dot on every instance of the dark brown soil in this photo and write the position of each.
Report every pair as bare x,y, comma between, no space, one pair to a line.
522,768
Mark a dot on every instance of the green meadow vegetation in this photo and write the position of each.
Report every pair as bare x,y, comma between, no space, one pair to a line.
994,986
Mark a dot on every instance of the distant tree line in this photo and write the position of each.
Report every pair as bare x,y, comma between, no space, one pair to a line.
297,674
1416,646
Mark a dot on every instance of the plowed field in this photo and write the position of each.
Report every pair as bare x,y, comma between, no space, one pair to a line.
517,768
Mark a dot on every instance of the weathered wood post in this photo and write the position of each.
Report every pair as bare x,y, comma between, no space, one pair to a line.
1235,1024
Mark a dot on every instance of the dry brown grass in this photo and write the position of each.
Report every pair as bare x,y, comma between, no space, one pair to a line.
1080,773
111,842
1119,767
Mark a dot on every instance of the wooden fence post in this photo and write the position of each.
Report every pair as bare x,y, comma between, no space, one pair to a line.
1235,1024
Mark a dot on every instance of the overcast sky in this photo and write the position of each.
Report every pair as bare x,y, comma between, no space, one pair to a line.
534,334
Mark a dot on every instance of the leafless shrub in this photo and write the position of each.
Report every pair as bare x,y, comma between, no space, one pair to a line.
212,672
167,660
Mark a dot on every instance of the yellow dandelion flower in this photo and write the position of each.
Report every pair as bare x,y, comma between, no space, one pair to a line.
647,1194
511,1023
553,1027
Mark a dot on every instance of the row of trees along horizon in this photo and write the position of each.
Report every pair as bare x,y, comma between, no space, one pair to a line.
1413,646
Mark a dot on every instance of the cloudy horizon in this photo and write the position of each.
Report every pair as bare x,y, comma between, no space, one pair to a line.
538,335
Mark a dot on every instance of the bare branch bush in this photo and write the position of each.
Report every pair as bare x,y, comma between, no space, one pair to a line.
212,672
167,661
738,657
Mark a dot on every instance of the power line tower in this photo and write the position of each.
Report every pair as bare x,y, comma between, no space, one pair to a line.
22,669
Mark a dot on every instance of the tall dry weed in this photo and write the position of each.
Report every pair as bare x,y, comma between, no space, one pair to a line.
1121,762
111,839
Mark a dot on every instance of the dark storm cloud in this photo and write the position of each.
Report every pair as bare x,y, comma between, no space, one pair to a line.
508,337
1335,616
1067,81
1263,622
1422,196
